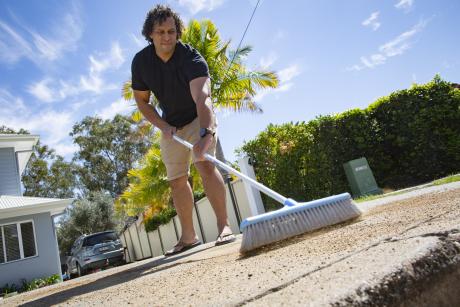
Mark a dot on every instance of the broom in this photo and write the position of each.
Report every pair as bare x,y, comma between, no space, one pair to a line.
291,220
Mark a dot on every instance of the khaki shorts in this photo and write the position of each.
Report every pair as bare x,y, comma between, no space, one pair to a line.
176,156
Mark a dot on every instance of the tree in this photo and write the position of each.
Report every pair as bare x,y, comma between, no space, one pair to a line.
143,192
6,130
55,180
46,174
233,85
91,214
108,150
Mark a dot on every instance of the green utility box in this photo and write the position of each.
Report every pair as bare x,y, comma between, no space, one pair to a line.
360,178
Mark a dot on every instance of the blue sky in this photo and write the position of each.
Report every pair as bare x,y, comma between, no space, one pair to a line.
63,60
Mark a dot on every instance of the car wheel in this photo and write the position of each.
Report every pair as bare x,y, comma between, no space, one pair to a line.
80,271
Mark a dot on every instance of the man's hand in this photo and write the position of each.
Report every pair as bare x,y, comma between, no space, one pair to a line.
168,131
201,147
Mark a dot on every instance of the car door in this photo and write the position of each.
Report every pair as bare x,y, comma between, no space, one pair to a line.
73,256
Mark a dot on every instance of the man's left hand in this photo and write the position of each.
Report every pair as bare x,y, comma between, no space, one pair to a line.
201,147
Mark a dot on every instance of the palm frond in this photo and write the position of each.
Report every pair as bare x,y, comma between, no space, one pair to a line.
127,91
262,79
240,53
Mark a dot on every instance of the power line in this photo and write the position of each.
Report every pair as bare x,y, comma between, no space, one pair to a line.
242,38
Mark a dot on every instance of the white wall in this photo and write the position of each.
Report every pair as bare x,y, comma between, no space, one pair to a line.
142,245
45,264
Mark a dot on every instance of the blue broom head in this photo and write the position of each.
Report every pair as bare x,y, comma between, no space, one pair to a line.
296,218
292,207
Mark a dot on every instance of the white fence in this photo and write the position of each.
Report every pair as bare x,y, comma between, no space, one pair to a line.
141,244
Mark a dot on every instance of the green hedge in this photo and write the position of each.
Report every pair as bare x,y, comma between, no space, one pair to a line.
30,285
162,218
409,137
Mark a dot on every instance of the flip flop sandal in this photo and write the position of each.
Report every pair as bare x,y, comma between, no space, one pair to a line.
181,247
225,239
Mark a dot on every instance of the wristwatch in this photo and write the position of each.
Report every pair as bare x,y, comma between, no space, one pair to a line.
206,131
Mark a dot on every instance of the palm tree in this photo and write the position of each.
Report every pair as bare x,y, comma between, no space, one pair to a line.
148,186
233,88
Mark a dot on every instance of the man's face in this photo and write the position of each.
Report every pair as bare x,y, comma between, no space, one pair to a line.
164,36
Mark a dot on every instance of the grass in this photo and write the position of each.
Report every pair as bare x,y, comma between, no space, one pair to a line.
448,179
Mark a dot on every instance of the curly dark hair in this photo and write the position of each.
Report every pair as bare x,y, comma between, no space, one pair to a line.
158,15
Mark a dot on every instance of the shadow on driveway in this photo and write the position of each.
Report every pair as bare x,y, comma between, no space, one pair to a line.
112,280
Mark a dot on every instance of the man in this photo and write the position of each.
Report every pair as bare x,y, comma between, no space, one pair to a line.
178,76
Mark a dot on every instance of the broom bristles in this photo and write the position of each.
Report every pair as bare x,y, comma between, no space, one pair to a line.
295,220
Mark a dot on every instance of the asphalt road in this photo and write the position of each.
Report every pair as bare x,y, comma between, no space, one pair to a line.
403,250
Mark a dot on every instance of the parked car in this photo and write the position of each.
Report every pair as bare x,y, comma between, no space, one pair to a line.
95,251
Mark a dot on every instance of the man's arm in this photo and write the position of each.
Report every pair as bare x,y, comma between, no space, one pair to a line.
200,89
142,100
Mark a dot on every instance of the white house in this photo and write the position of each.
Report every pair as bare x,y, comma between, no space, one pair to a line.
28,243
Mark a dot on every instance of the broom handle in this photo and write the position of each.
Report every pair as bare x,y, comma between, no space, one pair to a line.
278,197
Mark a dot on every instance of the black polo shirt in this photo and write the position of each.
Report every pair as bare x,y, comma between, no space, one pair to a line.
169,81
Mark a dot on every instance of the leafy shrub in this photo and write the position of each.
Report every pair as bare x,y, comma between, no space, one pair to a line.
40,282
162,218
31,285
7,288
409,137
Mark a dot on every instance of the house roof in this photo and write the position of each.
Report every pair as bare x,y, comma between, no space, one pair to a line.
13,206
22,144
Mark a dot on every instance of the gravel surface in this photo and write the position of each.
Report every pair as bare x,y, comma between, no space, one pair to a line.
382,258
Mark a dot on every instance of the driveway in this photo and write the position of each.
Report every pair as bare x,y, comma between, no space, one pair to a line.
403,249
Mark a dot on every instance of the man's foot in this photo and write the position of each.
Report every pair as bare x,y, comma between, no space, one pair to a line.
226,236
181,247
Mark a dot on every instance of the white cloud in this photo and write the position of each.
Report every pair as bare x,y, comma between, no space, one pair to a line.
284,87
105,60
21,42
404,4
195,6
395,47
139,41
372,21
266,62
12,45
9,104
285,75
401,43
279,35
99,63
53,126
42,91
93,82
119,106
288,73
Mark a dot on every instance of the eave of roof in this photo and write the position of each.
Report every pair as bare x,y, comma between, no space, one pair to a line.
14,206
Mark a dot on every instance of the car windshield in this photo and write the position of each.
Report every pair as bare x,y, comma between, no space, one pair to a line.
100,238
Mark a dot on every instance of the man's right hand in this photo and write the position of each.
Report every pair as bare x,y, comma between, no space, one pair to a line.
168,131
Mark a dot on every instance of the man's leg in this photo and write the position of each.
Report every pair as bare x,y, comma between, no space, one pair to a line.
183,202
215,191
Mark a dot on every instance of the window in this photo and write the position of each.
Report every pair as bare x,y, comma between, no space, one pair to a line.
100,238
17,241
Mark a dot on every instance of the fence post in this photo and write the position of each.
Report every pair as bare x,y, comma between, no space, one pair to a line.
198,217
161,240
131,240
233,199
139,239
175,229
254,198
127,248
